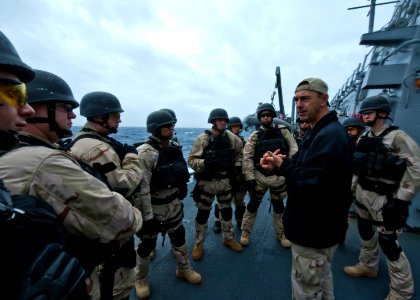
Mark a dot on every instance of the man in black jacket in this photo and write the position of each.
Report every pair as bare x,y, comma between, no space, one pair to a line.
318,180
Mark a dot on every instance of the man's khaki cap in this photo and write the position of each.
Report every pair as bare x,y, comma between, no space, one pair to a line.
313,84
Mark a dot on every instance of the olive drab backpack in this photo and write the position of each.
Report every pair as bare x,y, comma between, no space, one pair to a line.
33,263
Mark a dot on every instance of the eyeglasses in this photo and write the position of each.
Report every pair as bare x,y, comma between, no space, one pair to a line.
169,125
65,107
265,115
13,92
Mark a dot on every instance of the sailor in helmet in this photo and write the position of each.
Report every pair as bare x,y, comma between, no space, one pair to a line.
386,178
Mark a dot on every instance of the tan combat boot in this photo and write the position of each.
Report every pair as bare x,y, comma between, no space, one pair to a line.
284,241
232,244
244,238
184,269
142,289
248,221
189,275
279,229
200,233
360,270
228,240
141,283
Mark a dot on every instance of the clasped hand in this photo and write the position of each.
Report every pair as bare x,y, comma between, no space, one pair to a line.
272,160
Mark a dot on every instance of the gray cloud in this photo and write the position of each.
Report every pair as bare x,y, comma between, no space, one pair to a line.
191,56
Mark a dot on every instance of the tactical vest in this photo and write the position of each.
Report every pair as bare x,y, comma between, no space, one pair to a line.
171,168
219,156
270,140
373,159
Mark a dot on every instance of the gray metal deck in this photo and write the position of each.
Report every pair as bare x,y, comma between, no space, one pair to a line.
262,270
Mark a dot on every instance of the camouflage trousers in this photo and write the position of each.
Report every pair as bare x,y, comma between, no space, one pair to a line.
207,190
369,207
311,273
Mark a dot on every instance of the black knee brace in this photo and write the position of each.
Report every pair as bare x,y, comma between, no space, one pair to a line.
226,213
389,246
146,247
202,216
239,212
216,211
365,228
178,236
278,206
253,205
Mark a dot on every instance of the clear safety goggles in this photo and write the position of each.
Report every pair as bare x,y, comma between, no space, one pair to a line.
12,92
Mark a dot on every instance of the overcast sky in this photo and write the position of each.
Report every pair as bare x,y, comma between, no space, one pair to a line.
190,55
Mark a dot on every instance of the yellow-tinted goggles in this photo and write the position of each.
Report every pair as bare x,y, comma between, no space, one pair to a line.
12,92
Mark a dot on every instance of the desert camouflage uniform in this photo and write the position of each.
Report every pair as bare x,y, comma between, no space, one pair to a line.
127,173
370,207
83,203
219,186
123,177
167,211
264,181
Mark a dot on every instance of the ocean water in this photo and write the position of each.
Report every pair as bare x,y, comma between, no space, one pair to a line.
131,135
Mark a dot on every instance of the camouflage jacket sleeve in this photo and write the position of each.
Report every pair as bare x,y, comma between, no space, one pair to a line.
195,159
293,147
407,148
248,166
125,176
84,204
148,160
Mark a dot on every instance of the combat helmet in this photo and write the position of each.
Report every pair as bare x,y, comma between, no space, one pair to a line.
171,112
157,119
99,103
235,121
218,113
376,103
49,88
353,122
266,106
10,60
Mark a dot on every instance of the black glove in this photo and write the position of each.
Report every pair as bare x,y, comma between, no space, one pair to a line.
150,228
182,191
395,213
251,185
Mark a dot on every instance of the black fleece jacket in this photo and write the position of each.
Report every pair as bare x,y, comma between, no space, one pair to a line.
318,180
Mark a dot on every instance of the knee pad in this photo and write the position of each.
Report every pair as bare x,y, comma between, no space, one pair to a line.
202,216
178,236
226,213
389,246
216,211
278,206
253,205
365,229
146,247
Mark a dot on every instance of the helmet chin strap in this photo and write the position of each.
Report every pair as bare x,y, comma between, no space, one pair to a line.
377,117
104,124
50,120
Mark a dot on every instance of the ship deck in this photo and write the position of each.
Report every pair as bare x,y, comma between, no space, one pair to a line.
262,270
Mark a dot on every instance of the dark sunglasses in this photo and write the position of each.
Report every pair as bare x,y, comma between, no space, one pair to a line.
169,125
265,115
65,107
